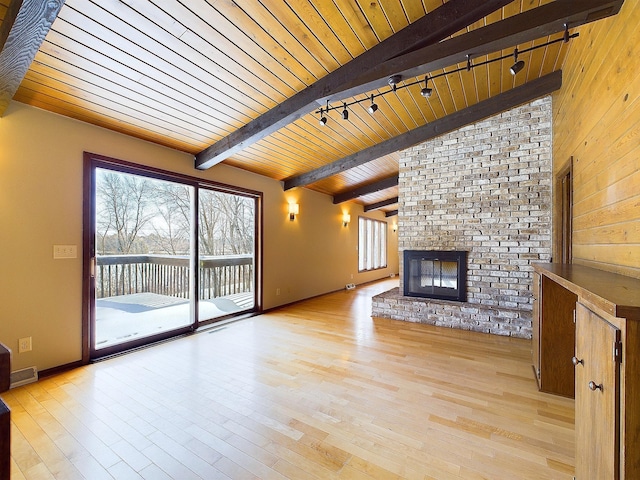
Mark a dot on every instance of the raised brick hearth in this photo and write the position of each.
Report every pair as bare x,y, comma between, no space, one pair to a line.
486,189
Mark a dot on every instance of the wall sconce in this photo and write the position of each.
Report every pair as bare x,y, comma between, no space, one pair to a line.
346,218
394,227
294,209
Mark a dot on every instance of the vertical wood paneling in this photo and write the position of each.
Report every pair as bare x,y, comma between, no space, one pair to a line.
597,121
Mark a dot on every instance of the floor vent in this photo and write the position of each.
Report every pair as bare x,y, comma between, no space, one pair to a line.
24,376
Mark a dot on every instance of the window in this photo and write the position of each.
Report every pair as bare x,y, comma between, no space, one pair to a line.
372,244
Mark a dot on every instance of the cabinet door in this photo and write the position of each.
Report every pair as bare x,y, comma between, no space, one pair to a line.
597,396
557,338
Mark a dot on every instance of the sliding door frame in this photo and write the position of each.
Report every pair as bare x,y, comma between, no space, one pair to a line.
92,161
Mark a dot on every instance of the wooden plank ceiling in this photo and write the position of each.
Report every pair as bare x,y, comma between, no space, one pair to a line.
186,74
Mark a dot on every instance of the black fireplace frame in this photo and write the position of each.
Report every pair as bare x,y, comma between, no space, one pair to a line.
440,293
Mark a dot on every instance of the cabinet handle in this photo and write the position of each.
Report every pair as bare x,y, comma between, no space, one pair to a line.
593,386
575,361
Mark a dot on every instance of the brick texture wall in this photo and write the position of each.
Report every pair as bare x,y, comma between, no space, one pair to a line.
486,189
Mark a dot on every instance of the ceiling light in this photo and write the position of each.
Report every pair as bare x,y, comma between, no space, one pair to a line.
426,91
373,108
345,113
518,65
323,119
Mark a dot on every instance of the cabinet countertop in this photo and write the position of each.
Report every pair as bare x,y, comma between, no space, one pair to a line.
616,294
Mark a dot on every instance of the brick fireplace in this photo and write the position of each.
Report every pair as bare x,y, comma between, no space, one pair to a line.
484,189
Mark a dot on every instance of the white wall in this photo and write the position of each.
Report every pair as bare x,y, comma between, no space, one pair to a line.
41,206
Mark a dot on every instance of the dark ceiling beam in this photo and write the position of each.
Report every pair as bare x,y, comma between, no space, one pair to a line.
487,108
372,69
391,213
23,29
430,29
525,27
366,189
383,203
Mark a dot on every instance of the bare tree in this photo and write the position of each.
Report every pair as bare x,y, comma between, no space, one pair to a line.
173,204
123,208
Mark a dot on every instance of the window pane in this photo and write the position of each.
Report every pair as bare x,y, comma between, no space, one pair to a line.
372,244
226,253
143,244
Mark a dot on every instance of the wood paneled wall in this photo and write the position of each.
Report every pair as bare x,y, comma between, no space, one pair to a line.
596,119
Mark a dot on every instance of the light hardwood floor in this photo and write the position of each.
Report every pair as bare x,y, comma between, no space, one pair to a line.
314,390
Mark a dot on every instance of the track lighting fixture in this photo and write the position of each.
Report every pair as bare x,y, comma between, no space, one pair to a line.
395,80
373,108
426,91
323,119
518,65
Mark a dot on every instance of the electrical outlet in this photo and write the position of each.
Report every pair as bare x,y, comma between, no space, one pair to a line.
24,345
277,291
65,251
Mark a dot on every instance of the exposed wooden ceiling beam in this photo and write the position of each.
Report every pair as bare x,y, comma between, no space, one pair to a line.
492,106
391,213
525,27
430,29
367,189
23,29
383,203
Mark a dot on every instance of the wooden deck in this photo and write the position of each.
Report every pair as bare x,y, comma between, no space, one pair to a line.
127,317
316,390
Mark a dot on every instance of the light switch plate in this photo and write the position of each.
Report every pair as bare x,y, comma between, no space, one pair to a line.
65,251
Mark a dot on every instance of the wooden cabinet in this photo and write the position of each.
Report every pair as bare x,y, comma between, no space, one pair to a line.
553,336
606,364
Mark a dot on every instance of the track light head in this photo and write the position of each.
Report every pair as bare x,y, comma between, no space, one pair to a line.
345,113
518,64
516,67
323,119
373,108
426,91
566,33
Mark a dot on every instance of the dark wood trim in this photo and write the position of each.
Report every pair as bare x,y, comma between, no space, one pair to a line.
564,214
88,254
49,372
22,31
430,29
383,184
383,203
500,103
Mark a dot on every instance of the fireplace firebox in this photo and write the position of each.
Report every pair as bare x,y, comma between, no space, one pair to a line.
435,274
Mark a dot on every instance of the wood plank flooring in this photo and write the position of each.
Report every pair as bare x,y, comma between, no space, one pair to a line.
316,390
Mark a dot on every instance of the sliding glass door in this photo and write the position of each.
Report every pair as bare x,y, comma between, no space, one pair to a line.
143,257
168,253
226,251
